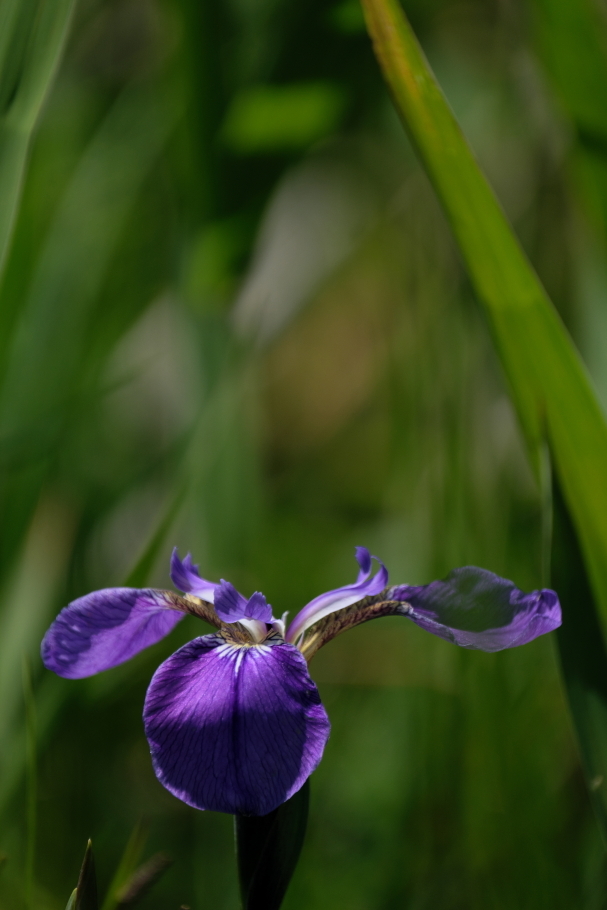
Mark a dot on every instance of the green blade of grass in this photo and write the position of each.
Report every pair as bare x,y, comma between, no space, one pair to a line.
32,783
32,39
548,382
126,866
50,357
86,229
86,889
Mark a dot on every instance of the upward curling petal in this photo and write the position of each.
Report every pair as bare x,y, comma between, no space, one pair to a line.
234,729
475,608
258,608
184,576
106,628
363,558
339,598
230,605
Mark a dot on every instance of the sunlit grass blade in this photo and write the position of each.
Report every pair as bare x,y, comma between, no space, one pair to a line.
550,387
32,39
42,368
549,384
49,367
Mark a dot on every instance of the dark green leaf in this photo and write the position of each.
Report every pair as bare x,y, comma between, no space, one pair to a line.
572,40
583,654
86,889
267,851
571,37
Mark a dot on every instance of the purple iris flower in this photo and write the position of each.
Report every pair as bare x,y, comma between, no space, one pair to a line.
233,719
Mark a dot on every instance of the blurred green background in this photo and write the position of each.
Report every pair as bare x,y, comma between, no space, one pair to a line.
233,319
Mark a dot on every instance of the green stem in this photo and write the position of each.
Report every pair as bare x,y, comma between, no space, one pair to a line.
31,784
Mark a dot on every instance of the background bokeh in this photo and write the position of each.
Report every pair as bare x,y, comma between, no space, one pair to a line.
233,319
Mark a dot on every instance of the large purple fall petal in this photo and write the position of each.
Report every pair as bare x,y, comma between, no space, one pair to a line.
339,598
233,728
476,609
106,628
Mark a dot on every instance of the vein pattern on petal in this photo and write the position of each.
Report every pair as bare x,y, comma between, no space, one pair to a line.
234,728
107,627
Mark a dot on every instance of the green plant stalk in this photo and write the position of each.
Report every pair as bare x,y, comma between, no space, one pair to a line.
549,383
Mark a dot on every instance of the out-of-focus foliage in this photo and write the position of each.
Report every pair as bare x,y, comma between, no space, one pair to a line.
31,43
557,406
251,324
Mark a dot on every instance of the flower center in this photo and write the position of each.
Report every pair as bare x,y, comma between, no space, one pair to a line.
249,633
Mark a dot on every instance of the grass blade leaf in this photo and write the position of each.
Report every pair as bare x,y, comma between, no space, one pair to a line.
86,889
33,37
549,384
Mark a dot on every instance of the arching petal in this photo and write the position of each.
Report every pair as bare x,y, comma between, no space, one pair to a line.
184,576
476,609
363,558
105,628
234,729
258,608
331,601
230,605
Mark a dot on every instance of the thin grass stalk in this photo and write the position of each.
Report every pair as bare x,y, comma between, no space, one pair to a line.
31,784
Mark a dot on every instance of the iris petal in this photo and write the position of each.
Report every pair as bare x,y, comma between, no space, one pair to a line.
184,576
363,558
474,608
105,628
230,605
258,608
339,598
234,729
